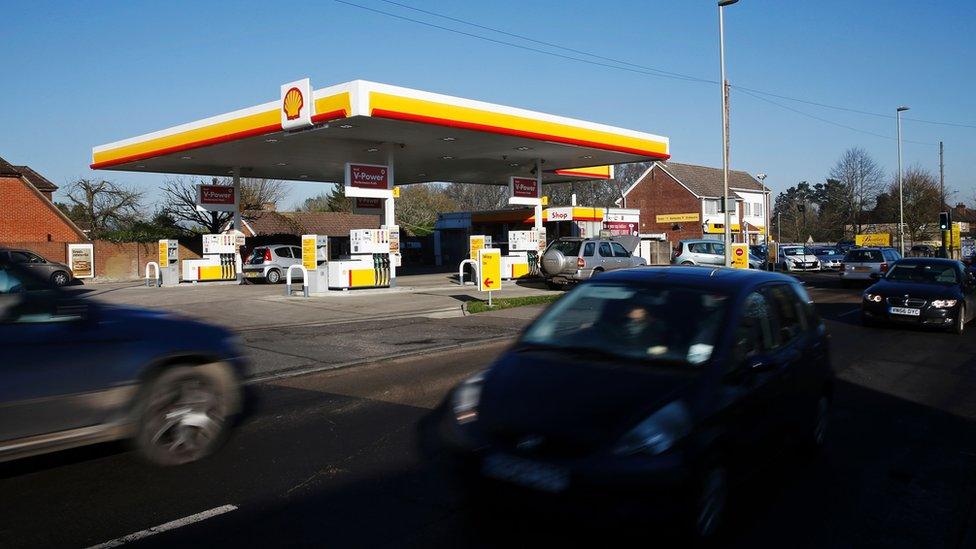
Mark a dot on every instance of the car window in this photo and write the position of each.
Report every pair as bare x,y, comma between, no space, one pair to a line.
717,249
699,247
588,249
753,333
283,251
863,256
296,252
569,248
790,319
806,305
19,257
605,250
619,250
924,274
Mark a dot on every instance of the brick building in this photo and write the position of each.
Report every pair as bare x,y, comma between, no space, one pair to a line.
682,201
27,213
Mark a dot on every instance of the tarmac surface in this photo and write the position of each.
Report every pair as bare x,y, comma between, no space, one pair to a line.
330,458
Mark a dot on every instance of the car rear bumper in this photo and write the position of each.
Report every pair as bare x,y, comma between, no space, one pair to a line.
856,275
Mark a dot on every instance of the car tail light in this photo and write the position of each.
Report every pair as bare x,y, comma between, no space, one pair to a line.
580,262
267,254
884,267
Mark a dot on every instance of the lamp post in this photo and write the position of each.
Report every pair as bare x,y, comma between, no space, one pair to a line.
762,179
727,226
901,192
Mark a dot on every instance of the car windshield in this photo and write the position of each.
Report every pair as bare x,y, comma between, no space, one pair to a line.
868,256
827,251
648,323
925,274
795,251
568,248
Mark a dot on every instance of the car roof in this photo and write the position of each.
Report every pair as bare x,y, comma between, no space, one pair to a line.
928,261
692,276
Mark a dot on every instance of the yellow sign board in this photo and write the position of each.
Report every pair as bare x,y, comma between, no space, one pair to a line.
489,269
309,261
873,239
718,228
163,253
477,242
740,256
955,236
676,218
396,192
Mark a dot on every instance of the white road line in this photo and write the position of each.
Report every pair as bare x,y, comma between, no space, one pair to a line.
172,525
852,311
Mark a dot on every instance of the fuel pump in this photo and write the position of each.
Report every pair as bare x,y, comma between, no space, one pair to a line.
315,259
169,262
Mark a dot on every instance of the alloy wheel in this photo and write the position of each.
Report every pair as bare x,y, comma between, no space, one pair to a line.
184,419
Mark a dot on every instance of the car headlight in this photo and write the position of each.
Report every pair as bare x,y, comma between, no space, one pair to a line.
873,297
466,397
657,433
944,303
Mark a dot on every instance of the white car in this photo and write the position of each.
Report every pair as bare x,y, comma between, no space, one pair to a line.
797,258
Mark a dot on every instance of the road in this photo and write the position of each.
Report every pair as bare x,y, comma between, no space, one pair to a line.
330,459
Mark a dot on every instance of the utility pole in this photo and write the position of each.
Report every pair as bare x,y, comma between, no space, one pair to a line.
942,201
727,232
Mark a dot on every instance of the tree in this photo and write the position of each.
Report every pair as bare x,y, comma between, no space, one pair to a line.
103,205
797,211
470,197
862,180
180,200
418,206
160,225
920,196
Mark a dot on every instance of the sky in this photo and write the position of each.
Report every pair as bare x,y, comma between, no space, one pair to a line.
80,74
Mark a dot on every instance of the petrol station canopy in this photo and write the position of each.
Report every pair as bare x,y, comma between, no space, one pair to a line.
430,137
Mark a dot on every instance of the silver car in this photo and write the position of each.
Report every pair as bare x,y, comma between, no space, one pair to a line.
867,263
571,260
699,252
797,258
270,263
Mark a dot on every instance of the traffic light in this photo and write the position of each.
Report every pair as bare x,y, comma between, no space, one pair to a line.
944,221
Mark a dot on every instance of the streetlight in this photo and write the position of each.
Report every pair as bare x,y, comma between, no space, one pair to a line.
762,179
725,129
901,199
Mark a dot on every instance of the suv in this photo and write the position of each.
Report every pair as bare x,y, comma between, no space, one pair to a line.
867,263
272,262
57,273
571,260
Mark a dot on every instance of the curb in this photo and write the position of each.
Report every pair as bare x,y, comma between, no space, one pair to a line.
398,316
297,372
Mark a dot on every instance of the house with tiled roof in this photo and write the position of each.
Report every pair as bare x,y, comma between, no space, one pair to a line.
27,212
333,224
682,201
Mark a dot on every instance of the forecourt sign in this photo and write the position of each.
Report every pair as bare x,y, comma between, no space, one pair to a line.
489,270
740,256
81,260
312,134
221,198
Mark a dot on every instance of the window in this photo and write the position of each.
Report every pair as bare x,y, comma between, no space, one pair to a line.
619,250
710,205
605,250
717,248
283,251
589,249
296,252
19,257
757,209
753,334
790,318
34,258
746,208
569,248
863,256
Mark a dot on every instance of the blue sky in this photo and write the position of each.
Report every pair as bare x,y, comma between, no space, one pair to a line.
79,74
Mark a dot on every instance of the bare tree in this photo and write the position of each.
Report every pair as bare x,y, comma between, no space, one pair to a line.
862,180
103,205
920,192
180,199
466,196
418,206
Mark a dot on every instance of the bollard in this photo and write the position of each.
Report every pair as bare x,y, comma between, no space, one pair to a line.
159,281
474,265
304,279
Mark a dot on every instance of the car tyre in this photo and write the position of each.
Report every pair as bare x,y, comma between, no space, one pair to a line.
184,413
596,272
273,276
815,433
687,263
553,285
710,504
60,278
960,325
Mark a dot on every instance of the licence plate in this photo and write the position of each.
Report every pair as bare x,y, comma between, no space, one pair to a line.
251,274
904,311
862,269
523,472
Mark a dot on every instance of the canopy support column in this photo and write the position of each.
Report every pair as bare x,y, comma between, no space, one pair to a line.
538,182
389,214
238,224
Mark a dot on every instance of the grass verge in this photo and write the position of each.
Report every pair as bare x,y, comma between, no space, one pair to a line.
509,302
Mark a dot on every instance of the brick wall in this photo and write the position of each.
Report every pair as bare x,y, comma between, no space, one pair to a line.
113,261
657,193
25,216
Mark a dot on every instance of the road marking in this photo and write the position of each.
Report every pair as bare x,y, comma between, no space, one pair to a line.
172,525
852,311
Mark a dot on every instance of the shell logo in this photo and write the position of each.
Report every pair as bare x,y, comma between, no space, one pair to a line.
293,103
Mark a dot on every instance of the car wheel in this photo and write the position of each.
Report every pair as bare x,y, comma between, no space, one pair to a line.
960,326
185,412
596,272
687,263
815,434
553,285
711,503
273,276
60,278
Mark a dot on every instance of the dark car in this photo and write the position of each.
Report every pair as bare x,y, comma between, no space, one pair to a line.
56,273
649,389
76,372
922,292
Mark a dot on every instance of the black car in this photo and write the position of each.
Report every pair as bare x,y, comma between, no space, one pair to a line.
648,388
922,292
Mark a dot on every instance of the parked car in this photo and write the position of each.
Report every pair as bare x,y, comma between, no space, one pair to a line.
569,260
797,258
862,263
610,396
922,292
759,250
699,252
58,274
922,250
78,372
270,263
845,245
830,258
